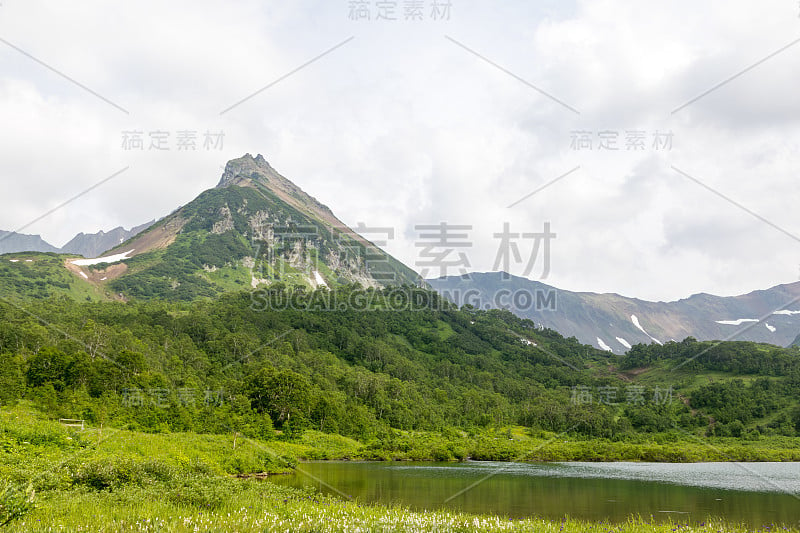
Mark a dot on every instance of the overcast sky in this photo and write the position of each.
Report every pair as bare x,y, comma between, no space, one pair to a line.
451,118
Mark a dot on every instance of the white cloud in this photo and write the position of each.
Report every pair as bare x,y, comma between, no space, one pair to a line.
401,126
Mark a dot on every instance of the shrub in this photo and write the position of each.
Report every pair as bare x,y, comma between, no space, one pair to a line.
203,492
108,475
15,503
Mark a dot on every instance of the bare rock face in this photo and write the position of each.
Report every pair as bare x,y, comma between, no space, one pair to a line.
254,218
247,171
257,219
246,168
225,222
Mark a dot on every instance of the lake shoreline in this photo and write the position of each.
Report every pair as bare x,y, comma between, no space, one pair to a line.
522,445
59,478
594,492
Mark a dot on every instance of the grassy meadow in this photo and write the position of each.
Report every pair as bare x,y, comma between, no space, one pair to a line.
56,478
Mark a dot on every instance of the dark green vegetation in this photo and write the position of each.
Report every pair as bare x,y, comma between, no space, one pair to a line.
178,396
236,365
39,276
746,388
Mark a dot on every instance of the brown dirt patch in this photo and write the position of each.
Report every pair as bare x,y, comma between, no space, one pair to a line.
157,238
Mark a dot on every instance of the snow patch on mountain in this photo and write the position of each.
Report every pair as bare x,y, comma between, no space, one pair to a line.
623,342
740,321
603,345
635,321
737,322
320,280
773,329
107,259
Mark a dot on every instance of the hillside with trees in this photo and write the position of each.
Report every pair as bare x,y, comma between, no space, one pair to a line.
403,360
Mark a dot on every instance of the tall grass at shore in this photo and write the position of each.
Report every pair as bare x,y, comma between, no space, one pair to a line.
53,478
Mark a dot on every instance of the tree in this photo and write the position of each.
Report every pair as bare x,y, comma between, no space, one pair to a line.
283,394
12,381
48,366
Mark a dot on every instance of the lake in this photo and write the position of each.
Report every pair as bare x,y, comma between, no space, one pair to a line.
752,493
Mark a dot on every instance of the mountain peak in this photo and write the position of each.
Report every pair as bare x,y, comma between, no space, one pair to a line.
249,171
239,171
257,220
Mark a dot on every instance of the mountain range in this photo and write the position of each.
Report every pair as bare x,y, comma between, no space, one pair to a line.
258,229
614,323
255,228
87,245
12,242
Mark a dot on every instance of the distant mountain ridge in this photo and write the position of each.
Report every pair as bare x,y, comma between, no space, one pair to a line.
95,244
614,323
12,242
88,245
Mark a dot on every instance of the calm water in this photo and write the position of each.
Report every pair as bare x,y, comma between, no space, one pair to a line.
752,493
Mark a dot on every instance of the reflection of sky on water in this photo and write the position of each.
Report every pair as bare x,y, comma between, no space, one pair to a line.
762,477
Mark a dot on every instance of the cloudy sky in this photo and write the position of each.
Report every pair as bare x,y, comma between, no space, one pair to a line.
444,114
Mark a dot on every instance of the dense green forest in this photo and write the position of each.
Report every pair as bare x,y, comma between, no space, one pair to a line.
400,360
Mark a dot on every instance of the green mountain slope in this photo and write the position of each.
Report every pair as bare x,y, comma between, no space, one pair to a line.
251,329
363,374
43,275
255,299
255,228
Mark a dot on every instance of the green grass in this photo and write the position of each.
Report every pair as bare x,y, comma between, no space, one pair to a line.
252,506
229,278
51,456
688,379
116,480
